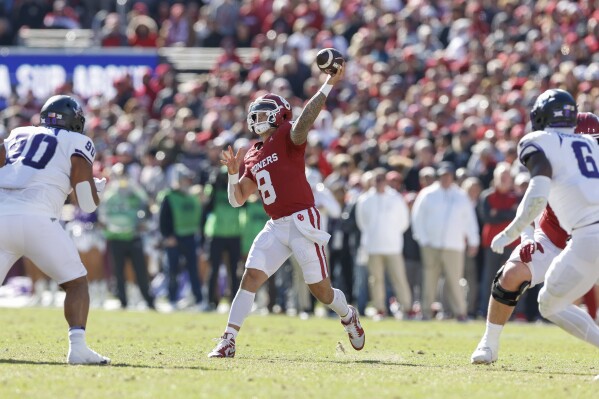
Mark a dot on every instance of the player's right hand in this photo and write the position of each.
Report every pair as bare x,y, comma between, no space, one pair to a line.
230,160
500,241
528,248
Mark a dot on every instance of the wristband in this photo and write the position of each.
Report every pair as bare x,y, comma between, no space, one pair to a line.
326,89
234,179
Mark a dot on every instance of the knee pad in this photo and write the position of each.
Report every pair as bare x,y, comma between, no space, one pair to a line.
501,295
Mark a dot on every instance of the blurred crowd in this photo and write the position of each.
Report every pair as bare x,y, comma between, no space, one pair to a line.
433,91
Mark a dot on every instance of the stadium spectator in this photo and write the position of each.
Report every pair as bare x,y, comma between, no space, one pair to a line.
122,214
444,225
112,35
472,271
222,231
176,30
179,223
497,207
61,17
382,217
424,154
142,32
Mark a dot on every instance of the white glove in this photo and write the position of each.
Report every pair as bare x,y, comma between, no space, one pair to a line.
500,241
100,184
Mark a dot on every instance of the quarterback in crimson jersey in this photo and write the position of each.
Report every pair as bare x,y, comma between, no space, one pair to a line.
278,162
275,167
527,267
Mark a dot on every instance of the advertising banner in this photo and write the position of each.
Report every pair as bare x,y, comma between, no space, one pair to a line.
91,72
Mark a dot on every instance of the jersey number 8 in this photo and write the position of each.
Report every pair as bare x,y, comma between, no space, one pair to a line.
267,191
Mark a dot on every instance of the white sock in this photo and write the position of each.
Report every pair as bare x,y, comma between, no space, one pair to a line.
232,331
492,333
240,309
339,305
578,323
77,337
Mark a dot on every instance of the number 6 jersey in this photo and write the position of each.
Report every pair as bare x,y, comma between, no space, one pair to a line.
574,158
36,176
277,166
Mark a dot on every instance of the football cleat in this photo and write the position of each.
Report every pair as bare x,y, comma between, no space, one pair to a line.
225,346
483,355
84,355
354,330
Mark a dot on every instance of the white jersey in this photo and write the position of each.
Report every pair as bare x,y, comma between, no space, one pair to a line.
574,159
36,177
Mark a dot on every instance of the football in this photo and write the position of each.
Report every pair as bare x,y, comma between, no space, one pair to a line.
329,60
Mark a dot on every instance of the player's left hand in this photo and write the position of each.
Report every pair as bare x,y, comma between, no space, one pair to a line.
500,241
100,184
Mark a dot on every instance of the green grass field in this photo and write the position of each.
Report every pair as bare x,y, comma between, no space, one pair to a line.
164,356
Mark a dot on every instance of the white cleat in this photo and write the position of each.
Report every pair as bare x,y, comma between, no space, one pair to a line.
84,355
225,346
484,355
354,330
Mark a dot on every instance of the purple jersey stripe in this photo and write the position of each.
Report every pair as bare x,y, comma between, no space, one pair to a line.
82,154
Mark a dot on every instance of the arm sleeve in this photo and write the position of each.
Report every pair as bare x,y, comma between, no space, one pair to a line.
533,203
84,148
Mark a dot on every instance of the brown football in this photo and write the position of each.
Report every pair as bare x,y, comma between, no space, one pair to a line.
329,60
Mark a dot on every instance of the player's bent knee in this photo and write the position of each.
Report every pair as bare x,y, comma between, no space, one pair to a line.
76,283
506,296
253,279
513,274
546,307
550,301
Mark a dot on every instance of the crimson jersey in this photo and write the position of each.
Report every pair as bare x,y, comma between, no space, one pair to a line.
550,226
277,166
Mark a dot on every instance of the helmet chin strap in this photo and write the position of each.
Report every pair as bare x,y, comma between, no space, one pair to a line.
262,127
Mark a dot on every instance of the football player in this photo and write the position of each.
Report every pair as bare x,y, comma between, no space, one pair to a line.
275,167
564,170
39,166
526,266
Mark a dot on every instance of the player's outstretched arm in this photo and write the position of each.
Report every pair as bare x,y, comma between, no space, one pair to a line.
238,190
303,125
533,202
82,181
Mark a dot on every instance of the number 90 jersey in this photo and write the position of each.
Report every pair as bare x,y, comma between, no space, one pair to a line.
574,158
278,167
36,176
